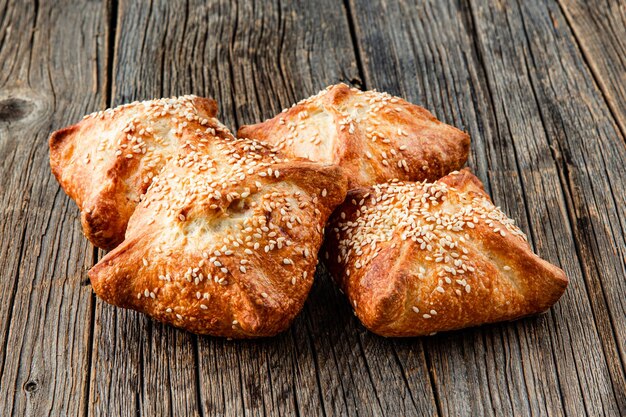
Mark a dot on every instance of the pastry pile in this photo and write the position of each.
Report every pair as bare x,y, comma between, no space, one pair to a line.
220,234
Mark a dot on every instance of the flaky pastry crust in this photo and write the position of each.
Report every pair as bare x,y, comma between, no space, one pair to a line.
376,137
225,240
417,258
106,162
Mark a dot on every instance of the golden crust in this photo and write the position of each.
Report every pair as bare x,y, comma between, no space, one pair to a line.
418,258
106,161
225,240
376,137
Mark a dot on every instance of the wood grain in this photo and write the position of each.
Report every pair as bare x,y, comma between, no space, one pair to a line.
141,367
51,66
571,120
600,30
473,77
538,85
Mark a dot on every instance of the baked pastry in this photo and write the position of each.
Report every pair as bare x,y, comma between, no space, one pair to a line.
107,161
225,240
417,258
376,137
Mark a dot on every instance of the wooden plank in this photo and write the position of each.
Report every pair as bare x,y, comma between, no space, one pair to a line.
141,367
255,58
589,155
562,362
51,73
293,50
600,29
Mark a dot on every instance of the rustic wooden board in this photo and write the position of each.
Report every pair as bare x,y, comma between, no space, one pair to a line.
538,85
588,153
600,29
51,73
471,76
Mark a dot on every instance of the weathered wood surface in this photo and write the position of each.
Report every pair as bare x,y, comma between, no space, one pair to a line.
541,127
538,85
51,73
600,30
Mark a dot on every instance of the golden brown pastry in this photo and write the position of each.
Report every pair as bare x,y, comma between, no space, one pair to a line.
107,161
225,241
418,258
376,137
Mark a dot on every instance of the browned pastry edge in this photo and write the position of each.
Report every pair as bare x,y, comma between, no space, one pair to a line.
393,297
260,301
424,147
103,197
104,222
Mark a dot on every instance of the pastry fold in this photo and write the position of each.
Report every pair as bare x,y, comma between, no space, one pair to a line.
418,258
376,137
106,162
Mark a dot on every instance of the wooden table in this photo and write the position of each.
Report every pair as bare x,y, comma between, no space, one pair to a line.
539,85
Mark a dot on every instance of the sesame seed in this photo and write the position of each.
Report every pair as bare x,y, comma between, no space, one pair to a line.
410,212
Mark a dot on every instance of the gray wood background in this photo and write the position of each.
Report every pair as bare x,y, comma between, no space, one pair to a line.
541,87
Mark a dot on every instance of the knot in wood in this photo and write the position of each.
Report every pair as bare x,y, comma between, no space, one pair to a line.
13,109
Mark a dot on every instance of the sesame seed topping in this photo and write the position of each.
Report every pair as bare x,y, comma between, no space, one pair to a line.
212,177
437,219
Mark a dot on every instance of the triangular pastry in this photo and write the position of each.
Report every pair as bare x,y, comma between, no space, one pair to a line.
417,258
374,136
